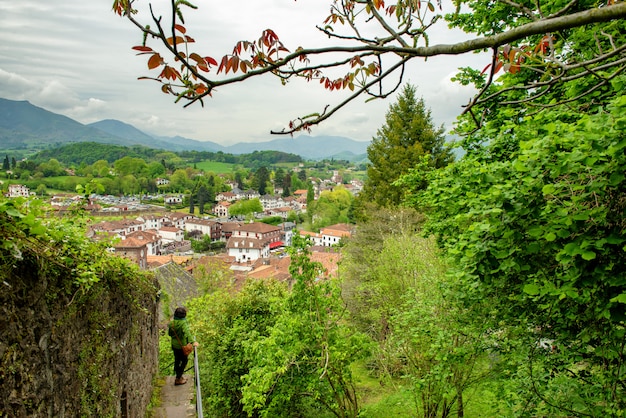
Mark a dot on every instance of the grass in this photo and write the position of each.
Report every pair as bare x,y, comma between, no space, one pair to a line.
216,167
155,398
379,399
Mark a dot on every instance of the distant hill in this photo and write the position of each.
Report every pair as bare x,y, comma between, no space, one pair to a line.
311,147
30,129
23,125
137,137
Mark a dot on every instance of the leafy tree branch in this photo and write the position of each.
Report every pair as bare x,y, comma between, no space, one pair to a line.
407,24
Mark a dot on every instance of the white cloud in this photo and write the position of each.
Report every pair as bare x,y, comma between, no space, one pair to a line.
74,57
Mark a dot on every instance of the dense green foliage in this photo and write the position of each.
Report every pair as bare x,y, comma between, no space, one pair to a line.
544,66
245,207
274,352
332,206
535,225
397,291
87,153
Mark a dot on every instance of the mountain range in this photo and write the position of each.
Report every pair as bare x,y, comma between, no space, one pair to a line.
29,128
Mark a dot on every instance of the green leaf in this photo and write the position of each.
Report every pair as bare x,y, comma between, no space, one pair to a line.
531,289
550,236
588,255
14,213
548,189
619,298
519,166
616,179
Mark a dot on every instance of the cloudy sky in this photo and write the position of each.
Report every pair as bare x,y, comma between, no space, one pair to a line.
74,57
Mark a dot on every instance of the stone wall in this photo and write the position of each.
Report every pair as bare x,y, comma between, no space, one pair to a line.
69,351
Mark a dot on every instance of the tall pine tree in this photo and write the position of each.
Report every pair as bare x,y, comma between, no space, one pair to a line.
400,144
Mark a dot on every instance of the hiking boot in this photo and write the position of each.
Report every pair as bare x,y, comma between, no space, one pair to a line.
180,381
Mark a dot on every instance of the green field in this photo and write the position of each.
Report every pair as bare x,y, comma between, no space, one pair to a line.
216,167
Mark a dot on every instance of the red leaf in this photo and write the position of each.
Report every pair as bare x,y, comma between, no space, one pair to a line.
169,73
154,61
179,40
223,64
197,58
234,63
180,28
142,48
210,61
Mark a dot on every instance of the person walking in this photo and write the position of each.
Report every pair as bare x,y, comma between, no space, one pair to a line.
181,336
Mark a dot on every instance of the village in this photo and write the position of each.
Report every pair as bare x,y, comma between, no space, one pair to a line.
152,237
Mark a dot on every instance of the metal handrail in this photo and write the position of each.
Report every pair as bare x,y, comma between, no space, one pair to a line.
196,379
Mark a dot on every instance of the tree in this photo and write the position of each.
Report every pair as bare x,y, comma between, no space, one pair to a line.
407,135
5,164
179,181
204,197
372,42
304,361
239,179
129,165
261,177
155,169
245,207
286,186
332,207
397,290
279,176
100,168
233,323
51,168
534,224
41,189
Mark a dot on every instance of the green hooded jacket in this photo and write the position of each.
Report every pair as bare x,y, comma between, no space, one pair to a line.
182,331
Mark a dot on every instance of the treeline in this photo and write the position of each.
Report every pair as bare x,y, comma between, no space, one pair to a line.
255,159
86,153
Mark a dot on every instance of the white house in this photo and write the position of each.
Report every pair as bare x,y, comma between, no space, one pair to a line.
206,227
270,202
173,200
119,227
225,197
247,249
316,239
17,190
283,212
178,219
251,241
286,232
221,209
331,235
152,222
171,234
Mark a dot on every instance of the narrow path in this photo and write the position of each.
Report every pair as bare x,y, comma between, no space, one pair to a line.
177,401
